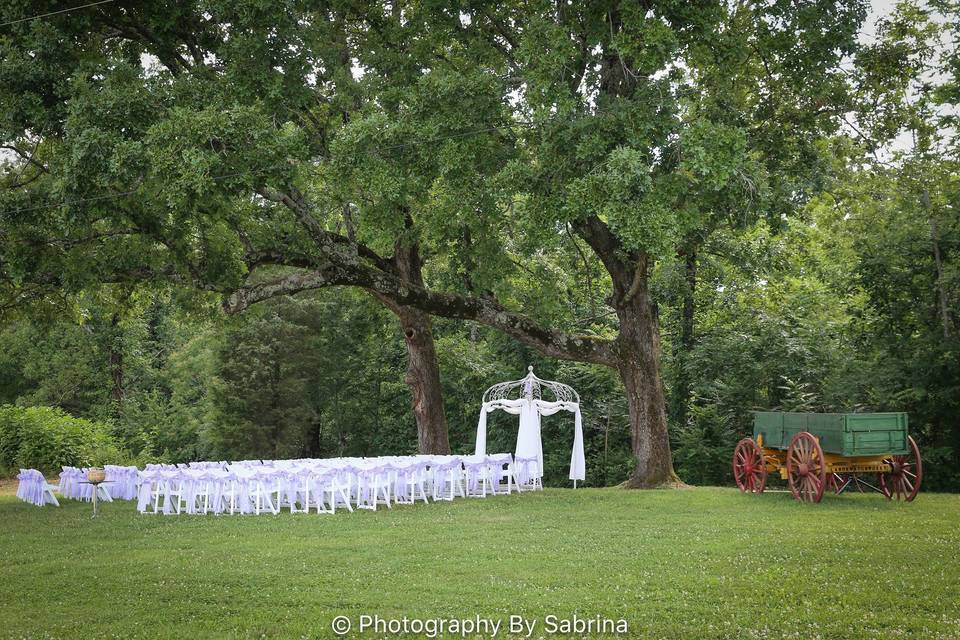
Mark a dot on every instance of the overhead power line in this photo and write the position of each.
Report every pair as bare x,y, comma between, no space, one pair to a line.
54,13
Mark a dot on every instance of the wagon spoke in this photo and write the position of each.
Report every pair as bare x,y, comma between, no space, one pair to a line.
909,485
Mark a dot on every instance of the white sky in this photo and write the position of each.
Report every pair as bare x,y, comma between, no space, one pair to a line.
878,9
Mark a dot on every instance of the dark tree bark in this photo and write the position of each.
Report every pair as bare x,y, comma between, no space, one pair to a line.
311,447
423,378
636,355
423,370
684,347
116,362
638,364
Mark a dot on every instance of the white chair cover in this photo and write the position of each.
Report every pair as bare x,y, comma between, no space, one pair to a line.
33,488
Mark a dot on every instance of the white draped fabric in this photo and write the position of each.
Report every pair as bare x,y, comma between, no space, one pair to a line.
529,443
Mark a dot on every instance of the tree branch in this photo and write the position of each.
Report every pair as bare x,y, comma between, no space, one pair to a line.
26,156
336,247
486,310
606,245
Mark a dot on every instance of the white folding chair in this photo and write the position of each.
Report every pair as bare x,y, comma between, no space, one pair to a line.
502,472
448,481
410,482
373,486
528,474
34,488
171,491
264,486
478,476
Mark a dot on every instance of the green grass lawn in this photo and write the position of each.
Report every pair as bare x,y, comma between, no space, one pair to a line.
703,563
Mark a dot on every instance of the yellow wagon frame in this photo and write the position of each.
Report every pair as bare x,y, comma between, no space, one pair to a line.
776,461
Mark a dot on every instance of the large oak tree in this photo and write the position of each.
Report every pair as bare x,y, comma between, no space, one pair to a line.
427,153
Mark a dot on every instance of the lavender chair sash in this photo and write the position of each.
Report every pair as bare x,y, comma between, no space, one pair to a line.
497,462
527,469
320,481
147,479
367,477
172,487
445,472
408,474
244,479
476,467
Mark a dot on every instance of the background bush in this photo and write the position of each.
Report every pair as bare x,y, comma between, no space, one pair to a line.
47,438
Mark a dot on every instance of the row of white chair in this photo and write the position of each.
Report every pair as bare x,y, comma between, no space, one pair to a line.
322,485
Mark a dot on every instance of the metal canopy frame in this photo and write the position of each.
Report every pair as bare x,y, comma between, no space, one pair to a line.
532,388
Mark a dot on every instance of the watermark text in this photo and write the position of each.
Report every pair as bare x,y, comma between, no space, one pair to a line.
514,625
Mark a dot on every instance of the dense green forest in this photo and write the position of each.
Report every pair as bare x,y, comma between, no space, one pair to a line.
778,229
836,311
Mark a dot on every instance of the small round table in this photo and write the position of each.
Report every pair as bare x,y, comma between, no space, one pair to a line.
96,490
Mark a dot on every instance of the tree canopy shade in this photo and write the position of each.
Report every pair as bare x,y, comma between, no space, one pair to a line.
437,156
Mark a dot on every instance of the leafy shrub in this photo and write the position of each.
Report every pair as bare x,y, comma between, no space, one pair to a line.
46,438
940,469
703,448
9,436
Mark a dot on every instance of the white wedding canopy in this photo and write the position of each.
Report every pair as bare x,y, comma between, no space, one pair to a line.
524,397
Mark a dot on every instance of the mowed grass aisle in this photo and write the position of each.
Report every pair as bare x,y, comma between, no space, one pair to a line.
702,563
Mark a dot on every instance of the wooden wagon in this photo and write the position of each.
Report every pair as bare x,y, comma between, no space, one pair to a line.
816,451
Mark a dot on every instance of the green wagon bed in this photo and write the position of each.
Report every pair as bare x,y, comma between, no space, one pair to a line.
845,434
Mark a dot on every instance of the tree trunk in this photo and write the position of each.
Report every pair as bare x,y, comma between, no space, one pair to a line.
945,318
681,387
638,363
423,378
116,362
311,447
423,371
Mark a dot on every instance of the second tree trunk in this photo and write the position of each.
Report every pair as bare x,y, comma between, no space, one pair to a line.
423,378
638,355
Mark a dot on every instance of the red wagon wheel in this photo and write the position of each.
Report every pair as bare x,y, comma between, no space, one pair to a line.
806,471
906,472
749,467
